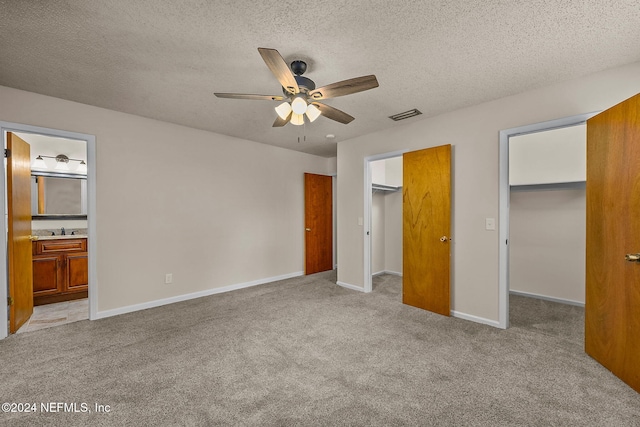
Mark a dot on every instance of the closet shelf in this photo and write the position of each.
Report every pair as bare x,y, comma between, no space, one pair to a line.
381,187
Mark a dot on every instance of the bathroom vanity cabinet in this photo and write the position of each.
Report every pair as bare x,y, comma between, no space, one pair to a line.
60,270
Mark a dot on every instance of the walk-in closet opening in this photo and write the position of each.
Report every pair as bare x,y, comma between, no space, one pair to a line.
547,229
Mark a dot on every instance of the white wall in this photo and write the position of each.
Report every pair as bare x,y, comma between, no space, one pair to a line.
386,232
386,217
56,224
552,156
547,235
211,209
378,172
474,134
393,171
393,231
378,232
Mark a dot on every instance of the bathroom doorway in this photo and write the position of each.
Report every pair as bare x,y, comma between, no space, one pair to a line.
62,166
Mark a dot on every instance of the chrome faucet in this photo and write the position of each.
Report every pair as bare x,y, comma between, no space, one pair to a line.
62,232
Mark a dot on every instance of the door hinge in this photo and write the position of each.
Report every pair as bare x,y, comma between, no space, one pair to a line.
9,301
7,152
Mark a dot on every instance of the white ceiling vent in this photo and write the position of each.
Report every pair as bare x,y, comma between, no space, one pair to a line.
405,115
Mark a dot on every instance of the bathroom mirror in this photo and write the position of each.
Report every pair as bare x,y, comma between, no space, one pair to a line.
58,196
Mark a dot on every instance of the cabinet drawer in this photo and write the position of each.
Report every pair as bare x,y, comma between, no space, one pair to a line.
68,245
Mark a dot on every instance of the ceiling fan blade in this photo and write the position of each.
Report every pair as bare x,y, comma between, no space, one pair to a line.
280,69
249,96
345,87
281,122
333,113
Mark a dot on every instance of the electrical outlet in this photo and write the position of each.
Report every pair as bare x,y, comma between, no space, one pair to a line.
168,278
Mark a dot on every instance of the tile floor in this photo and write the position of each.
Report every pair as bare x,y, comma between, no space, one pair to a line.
46,316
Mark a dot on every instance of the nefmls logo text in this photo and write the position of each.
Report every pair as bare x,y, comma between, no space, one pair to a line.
64,407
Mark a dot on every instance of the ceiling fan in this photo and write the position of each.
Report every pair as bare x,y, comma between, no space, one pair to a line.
300,95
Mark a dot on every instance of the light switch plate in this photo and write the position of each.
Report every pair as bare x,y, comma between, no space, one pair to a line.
360,221
489,223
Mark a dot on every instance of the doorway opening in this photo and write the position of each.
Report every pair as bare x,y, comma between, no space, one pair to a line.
62,220
386,220
375,223
531,197
426,226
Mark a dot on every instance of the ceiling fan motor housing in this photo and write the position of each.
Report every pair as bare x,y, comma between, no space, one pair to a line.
306,85
298,67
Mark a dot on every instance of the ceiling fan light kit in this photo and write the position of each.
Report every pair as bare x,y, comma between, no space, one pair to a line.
284,110
300,94
299,105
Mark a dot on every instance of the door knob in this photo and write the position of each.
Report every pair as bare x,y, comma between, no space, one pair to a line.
307,229
632,257
443,239
33,238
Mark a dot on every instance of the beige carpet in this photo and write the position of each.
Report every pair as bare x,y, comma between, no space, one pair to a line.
306,352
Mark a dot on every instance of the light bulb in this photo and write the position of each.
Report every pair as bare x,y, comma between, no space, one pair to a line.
297,119
312,112
299,105
82,167
283,110
62,166
39,163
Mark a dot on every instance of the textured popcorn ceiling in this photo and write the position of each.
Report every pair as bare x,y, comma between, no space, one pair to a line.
164,58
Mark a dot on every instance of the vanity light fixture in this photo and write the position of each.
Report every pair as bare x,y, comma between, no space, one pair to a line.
39,163
62,163
82,167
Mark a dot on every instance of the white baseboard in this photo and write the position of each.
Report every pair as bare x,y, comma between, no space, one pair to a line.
547,298
348,286
393,273
476,319
185,297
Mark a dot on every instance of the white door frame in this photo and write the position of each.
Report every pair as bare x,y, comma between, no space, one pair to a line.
91,214
368,201
503,233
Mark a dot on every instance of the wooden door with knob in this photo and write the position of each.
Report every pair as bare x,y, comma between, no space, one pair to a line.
426,225
612,306
318,213
19,262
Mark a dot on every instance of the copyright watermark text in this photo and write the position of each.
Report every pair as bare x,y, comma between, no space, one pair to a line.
53,407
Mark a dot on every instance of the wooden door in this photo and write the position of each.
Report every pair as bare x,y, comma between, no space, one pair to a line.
426,225
19,232
318,213
612,306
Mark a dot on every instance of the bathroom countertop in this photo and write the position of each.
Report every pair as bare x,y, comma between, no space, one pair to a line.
66,236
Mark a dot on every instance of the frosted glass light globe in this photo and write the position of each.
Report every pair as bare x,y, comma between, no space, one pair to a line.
283,110
299,106
312,112
297,119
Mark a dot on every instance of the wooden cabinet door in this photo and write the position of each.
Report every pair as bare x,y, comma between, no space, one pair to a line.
76,271
47,274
